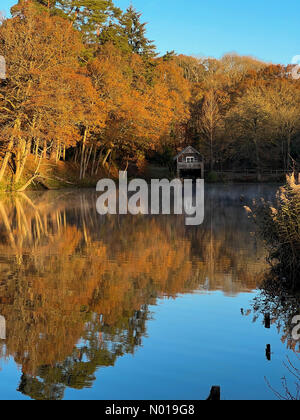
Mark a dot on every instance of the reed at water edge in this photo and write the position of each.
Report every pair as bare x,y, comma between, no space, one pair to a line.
278,225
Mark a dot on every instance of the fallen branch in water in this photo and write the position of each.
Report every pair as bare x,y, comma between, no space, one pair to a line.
22,189
36,174
59,179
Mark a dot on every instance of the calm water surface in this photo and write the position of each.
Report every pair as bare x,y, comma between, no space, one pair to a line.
141,307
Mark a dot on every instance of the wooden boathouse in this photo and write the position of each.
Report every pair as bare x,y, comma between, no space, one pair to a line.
190,162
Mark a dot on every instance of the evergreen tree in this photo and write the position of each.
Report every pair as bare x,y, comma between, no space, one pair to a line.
100,21
170,55
135,32
88,16
114,34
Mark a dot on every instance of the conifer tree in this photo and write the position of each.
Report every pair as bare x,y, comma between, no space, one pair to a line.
135,32
88,16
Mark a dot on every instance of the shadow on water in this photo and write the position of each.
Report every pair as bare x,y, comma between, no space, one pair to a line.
76,288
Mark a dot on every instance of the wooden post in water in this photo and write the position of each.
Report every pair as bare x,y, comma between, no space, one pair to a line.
215,394
2,328
267,321
268,352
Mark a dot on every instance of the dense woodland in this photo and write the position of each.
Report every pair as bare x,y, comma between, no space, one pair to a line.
85,86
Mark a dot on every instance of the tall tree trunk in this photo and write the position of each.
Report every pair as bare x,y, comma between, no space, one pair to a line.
22,158
45,150
37,145
87,161
106,157
58,153
94,161
83,152
289,141
283,151
211,151
258,168
76,154
53,150
6,159
99,161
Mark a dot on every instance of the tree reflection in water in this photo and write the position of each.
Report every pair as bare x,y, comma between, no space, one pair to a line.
75,287
280,305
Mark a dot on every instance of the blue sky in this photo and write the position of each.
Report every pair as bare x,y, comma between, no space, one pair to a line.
266,29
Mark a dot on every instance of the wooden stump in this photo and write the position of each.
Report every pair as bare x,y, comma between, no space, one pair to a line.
267,321
268,352
215,394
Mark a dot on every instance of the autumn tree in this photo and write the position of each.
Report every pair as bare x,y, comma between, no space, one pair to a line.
88,16
210,122
41,103
139,112
283,102
85,84
193,68
248,121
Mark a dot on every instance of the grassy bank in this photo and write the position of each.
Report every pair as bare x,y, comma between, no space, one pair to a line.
53,175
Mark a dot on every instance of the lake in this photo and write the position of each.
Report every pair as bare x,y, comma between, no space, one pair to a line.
136,307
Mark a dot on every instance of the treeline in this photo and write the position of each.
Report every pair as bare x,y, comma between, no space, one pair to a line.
244,113
84,84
